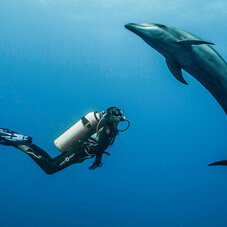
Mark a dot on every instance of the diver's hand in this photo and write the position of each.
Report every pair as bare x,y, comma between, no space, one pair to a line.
95,165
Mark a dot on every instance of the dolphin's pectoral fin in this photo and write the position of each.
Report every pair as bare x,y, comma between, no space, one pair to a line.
193,42
220,163
175,69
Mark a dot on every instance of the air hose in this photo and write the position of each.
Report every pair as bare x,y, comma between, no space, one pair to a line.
97,127
122,130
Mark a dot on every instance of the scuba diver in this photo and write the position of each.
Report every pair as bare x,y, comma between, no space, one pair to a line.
88,138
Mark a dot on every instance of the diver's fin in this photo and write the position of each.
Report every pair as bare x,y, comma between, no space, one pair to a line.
220,163
193,42
9,137
175,69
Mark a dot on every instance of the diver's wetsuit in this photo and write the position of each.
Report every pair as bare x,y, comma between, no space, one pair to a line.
79,151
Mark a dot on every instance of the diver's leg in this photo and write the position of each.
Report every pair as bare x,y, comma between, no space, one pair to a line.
52,165
76,154
41,157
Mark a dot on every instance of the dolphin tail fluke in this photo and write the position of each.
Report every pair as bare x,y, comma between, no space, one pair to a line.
175,69
193,42
220,163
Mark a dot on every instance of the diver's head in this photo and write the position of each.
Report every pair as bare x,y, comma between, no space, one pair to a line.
115,114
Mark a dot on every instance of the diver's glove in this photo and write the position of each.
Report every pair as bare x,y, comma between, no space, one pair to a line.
96,164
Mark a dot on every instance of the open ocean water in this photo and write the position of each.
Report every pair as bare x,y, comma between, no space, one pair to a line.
60,59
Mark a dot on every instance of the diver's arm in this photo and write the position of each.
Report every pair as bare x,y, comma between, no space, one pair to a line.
105,138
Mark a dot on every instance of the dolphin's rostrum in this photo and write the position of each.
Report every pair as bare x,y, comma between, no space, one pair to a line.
183,50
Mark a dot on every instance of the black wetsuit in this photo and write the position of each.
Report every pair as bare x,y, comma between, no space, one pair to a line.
79,151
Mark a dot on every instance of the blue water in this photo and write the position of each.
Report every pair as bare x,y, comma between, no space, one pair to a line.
61,59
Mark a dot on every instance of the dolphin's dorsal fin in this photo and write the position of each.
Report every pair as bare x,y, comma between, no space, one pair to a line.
193,42
175,69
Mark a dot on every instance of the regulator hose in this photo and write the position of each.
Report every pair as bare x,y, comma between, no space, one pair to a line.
97,127
122,130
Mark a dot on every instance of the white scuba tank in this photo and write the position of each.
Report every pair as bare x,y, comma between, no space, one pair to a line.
77,131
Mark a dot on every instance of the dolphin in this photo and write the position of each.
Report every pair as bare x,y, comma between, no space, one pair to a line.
182,50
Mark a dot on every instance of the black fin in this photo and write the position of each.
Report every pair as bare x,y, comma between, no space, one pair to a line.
220,163
193,42
175,69
9,137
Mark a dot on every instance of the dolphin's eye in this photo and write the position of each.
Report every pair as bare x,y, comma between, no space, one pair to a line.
161,25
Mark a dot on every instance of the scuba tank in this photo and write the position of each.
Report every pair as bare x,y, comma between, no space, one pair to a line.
77,131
